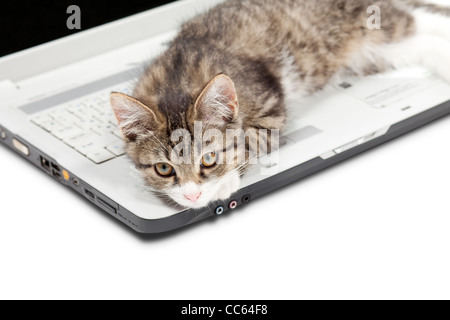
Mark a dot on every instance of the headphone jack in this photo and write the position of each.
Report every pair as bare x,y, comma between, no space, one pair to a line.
219,210
233,205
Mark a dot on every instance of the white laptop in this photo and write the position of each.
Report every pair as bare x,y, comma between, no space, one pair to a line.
55,113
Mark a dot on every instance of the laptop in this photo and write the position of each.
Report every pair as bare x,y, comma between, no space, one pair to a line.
55,113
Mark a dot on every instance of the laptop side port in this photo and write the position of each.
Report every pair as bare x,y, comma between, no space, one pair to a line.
107,206
90,194
233,205
246,199
21,147
57,174
2,134
219,210
45,163
56,167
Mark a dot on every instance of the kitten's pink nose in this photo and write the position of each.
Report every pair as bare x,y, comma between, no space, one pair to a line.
193,197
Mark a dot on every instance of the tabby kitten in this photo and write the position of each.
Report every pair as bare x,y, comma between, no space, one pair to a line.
241,64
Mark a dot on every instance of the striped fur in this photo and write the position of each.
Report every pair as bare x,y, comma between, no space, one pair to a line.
274,52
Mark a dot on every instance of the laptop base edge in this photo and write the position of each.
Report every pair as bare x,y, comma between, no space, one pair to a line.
243,197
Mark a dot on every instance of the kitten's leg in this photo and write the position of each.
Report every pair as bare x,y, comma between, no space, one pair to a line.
432,23
428,50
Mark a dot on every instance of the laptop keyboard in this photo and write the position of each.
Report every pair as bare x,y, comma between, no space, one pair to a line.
87,125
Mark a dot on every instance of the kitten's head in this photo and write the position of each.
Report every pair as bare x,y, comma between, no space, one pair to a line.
176,150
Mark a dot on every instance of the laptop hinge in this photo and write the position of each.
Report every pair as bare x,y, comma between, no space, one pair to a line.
8,86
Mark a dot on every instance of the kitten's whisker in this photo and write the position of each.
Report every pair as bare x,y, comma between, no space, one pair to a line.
155,139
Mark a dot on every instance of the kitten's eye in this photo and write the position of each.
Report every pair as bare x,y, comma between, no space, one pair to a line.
209,160
164,169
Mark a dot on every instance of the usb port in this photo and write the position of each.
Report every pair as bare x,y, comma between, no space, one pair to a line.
89,194
56,167
57,174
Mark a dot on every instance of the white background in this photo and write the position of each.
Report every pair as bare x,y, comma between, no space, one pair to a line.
375,226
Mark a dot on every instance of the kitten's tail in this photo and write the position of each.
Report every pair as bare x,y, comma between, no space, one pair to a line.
430,7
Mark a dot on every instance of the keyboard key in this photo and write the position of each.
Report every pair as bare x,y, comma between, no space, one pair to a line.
86,147
57,113
84,113
50,125
113,120
96,108
87,124
102,129
107,139
75,108
101,117
41,118
118,133
68,132
104,104
67,117
100,156
117,148
75,141
99,142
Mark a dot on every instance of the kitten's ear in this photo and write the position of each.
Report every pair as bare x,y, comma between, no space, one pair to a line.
218,103
133,117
